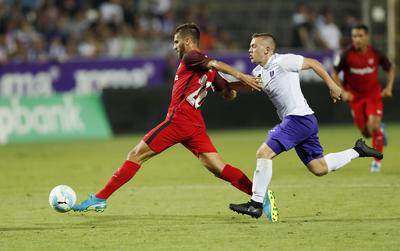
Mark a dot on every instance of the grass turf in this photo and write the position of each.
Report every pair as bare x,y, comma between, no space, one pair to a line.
173,203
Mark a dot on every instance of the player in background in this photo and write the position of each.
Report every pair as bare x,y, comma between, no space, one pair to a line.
184,123
362,89
299,127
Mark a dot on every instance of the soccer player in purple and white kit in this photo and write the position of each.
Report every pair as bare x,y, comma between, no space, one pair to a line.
299,128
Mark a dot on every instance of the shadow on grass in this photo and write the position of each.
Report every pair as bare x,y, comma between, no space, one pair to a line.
88,220
157,219
322,220
42,228
96,220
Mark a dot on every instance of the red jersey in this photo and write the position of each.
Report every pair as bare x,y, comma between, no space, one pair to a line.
361,71
192,81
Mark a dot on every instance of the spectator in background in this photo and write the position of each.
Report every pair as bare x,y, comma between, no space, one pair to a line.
27,32
350,21
207,39
224,42
128,42
4,10
328,32
78,24
47,22
168,25
3,50
70,7
38,51
159,7
89,47
303,28
72,46
111,12
57,50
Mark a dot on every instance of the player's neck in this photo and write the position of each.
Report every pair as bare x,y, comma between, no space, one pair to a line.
192,48
264,62
362,50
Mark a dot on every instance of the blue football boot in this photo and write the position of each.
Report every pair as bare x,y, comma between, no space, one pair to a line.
92,203
269,207
375,166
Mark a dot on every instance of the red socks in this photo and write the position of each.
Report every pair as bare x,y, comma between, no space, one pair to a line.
237,178
120,177
377,141
231,174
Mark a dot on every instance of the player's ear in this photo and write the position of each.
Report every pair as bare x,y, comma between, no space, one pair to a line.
267,50
187,41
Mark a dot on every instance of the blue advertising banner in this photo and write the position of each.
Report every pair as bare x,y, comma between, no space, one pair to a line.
88,77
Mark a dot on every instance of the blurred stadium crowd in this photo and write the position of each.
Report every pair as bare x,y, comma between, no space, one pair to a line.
50,30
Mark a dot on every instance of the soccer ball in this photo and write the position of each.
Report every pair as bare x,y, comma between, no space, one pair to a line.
62,198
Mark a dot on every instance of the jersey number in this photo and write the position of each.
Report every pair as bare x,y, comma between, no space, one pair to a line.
197,97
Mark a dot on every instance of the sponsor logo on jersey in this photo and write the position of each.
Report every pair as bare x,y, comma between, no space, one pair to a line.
362,71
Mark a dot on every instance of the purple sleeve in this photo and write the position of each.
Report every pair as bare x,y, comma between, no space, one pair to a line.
196,61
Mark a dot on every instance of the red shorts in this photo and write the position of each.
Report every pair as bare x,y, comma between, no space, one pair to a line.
169,133
362,108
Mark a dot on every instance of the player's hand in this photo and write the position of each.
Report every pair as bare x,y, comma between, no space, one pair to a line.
335,92
347,96
252,82
229,93
386,93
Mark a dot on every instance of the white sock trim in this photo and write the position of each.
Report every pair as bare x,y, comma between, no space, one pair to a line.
261,179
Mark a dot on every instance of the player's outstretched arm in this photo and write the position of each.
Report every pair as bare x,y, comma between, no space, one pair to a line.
318,68
249,80
346,96
391,73
240,88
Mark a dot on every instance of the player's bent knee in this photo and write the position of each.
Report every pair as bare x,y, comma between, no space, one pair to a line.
265,152
140,153
319,172
318,168
213,162
134,156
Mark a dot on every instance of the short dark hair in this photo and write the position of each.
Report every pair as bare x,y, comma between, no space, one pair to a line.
189,29
266,35
263,35
361,27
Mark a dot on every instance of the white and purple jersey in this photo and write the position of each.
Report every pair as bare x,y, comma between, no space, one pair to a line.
281,82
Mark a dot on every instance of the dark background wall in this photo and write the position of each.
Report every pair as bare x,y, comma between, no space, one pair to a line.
139,110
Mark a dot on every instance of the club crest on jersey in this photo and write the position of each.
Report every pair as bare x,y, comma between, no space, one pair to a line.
370,61
271,74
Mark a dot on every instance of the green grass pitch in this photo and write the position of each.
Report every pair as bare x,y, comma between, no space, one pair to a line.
173,203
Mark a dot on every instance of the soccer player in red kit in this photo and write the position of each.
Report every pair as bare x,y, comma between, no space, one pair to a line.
184,122
362,88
